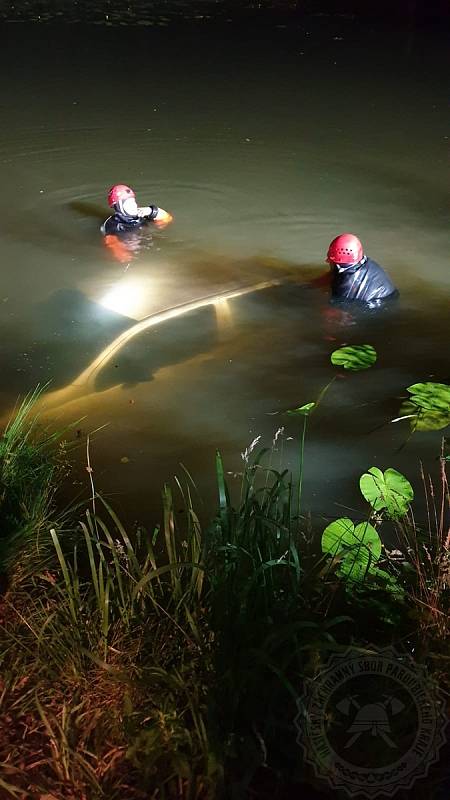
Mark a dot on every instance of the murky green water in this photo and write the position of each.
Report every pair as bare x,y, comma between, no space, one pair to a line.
264,147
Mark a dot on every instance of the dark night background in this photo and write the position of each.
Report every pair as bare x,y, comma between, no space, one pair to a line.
163,12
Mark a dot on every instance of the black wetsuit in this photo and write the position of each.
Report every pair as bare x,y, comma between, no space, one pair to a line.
120,223
366,283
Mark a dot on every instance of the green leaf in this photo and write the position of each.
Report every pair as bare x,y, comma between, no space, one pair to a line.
221,482
390,582
428,407
302,410
355,565
430,396
422,420
342,536
354,357
389,490
223,494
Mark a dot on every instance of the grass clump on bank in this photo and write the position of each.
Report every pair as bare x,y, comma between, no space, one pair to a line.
31,466
102,661
168,664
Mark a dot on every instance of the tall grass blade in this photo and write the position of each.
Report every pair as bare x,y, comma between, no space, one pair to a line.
66,576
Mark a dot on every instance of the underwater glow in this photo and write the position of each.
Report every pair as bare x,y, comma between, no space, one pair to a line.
224,316
124,298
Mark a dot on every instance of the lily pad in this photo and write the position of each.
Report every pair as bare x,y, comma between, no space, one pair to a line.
354,357
428,408
422,420
430,396
389,490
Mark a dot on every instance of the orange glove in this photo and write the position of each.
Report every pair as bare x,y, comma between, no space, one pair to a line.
163,219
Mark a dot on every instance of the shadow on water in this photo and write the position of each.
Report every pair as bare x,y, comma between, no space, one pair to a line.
86,209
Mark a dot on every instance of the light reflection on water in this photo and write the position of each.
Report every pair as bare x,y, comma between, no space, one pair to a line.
262,156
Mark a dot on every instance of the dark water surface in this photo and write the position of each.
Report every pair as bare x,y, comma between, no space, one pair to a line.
264,145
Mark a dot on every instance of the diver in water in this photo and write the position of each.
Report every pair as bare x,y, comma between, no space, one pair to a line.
127,214
354,276
121,229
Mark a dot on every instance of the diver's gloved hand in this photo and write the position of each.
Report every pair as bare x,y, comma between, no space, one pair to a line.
162,218
146,211
157,215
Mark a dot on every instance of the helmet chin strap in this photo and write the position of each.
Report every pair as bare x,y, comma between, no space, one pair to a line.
344,267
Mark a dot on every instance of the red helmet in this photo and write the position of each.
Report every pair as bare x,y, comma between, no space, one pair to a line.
345,249
119,192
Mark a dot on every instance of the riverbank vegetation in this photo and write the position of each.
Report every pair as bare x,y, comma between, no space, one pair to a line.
167,663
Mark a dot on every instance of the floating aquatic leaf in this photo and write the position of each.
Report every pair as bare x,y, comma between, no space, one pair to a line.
354,357
430,396
422,420
428,408
389,490
302,410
